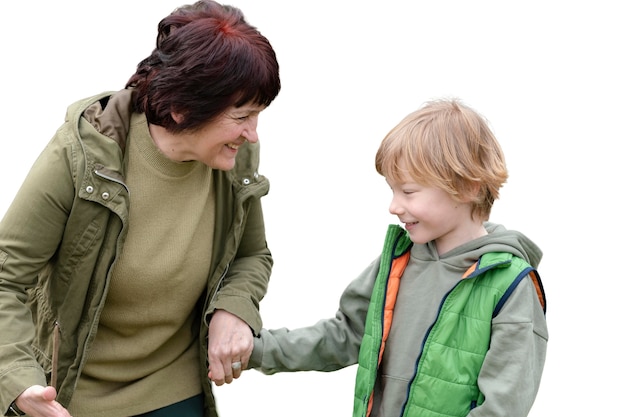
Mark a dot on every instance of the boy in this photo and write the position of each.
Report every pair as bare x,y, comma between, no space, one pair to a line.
450,319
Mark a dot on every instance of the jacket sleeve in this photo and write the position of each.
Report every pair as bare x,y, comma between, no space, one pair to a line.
328,345
30,232
247,278
511,372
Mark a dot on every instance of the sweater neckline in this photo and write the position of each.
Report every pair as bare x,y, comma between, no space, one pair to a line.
140,133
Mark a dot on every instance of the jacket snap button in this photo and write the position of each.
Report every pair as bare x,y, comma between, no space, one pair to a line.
105,196
89,189
246,181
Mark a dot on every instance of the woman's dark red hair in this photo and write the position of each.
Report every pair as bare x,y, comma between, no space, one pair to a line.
207,58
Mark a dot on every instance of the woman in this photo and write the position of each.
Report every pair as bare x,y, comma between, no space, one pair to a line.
133,258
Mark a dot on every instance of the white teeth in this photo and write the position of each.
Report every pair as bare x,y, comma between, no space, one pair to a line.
233,146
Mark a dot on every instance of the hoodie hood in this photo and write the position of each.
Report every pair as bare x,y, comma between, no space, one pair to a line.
498,239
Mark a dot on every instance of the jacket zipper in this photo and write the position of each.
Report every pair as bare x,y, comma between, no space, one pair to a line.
107,177
219,284
56,336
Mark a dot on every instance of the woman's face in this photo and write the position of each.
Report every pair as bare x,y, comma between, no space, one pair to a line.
216,143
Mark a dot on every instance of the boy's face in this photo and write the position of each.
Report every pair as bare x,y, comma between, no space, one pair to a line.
431,214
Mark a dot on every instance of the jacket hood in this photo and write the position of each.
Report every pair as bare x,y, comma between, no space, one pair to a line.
109,114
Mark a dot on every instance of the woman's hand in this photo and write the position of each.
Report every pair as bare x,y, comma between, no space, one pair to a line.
230,347
39,401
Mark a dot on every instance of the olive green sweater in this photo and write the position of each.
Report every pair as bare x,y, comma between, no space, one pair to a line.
145,347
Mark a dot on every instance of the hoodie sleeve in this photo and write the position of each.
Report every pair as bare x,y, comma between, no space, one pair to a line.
328,345
511,372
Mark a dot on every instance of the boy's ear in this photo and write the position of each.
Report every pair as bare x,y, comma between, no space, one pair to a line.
471,194
475,189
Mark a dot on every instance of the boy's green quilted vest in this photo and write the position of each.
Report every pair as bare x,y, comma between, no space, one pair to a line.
445,383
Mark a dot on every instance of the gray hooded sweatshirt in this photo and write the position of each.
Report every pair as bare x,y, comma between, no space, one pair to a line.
511,372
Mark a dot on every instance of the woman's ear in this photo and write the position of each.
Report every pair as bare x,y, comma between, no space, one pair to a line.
178,117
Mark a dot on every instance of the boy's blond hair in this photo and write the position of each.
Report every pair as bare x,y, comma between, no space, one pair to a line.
448,145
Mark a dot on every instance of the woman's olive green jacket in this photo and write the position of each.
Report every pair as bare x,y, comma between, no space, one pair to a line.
65,228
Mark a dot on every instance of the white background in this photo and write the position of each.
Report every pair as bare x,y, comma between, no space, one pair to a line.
549,76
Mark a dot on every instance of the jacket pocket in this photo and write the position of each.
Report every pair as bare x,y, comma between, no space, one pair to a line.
76,251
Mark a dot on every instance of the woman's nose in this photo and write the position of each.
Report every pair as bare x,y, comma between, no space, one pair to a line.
250,135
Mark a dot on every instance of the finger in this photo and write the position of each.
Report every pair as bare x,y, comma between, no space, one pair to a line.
228,377
49,393
245,359
217,374
236,366
232,370
225,373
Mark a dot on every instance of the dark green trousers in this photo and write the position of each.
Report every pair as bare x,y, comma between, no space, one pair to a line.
191,407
